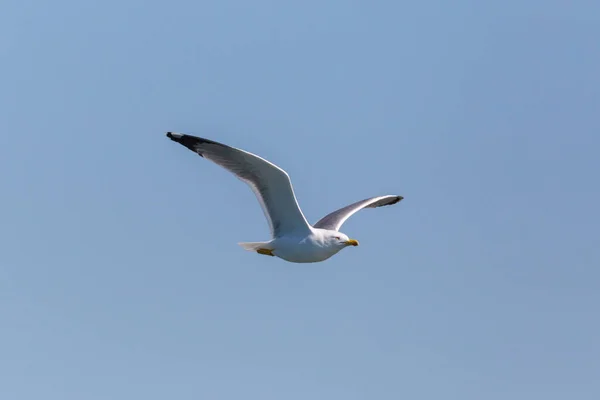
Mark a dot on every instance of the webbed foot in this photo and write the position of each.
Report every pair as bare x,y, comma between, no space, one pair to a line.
266,252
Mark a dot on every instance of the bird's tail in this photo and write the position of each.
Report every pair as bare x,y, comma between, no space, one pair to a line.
254,246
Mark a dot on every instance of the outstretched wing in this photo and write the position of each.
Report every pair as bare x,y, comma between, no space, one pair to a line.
335,220
270,184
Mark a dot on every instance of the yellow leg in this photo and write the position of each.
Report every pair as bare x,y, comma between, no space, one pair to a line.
266,252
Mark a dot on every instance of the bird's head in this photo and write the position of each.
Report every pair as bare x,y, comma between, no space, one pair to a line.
341,240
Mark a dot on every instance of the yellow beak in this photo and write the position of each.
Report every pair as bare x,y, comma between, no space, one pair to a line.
352,242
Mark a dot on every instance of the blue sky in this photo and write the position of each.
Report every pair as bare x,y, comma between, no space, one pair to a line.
121,276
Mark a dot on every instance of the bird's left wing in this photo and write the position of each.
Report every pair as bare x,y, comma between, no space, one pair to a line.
334,220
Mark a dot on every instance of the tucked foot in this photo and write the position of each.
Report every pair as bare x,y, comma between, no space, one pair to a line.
266,252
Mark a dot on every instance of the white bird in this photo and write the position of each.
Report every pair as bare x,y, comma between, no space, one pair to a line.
292,238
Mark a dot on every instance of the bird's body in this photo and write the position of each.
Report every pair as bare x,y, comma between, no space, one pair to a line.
311,248
293,238
318,245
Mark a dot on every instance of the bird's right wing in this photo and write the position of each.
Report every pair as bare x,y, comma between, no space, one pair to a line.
270,184
335,220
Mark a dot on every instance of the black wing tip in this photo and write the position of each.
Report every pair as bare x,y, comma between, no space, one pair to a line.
191,142
184,138
397,199
392,201
176,137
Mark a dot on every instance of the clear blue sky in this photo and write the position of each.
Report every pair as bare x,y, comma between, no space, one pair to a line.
121,277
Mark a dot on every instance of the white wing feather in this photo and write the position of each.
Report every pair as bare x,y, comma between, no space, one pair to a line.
270,184
334,220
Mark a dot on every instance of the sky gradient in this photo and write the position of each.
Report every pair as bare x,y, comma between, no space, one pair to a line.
121,277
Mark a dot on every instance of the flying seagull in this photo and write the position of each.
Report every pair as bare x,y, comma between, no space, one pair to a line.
292,238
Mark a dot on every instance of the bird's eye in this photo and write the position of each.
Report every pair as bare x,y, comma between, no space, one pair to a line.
337,237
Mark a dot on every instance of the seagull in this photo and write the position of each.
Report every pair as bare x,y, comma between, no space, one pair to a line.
293,239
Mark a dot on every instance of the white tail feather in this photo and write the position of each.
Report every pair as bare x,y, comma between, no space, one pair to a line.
254,246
